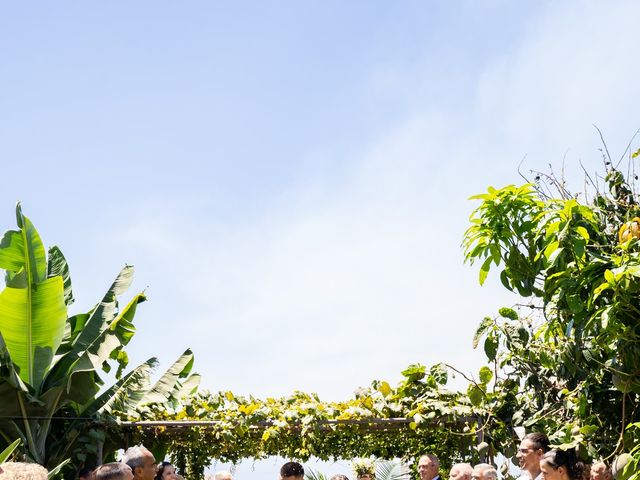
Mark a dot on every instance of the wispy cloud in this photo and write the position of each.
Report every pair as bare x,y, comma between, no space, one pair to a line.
341,280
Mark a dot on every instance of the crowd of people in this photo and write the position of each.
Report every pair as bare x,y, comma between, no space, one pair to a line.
537,461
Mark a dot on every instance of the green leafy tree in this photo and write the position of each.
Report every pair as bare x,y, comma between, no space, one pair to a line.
567,359
50,363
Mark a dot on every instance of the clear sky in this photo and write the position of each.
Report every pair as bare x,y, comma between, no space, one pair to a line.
290,179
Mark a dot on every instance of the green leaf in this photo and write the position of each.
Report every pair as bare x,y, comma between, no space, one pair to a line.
601,288
35,259
475,394
575,303
495,253
583,233
58,266
169,382
482,328
9,374
6,453
12,251
126,393
55,472
555,256
485,375
504,278
102,338
484,270
384,388
609,276
32,308
508,313
491,347
32,322
552,247
189,386
414,372
635,154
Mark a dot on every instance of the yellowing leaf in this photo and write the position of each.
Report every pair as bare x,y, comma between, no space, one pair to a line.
385,389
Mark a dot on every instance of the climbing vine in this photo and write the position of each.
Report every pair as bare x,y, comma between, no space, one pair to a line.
416,416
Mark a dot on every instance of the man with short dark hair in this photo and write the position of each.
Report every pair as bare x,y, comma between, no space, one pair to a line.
114,471
292,471
532,447
428,466
141,461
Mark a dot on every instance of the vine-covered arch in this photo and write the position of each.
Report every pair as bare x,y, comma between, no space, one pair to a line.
417,416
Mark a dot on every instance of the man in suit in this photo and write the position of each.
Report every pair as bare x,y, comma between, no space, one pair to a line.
428,466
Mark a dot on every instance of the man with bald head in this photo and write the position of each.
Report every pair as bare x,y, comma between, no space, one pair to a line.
460,471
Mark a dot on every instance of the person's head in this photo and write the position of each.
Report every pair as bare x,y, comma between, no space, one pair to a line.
559,464
460,471
339,476
532,447
484,471
600,471
113,471
166,471
223,475
428,466
291,471
141,461
22,471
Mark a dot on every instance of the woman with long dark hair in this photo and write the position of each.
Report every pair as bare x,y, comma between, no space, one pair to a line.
559,464
166,471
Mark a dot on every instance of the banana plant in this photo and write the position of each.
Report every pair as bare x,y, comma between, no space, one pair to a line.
50,363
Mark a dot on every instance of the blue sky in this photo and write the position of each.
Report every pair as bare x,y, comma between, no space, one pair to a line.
290,178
